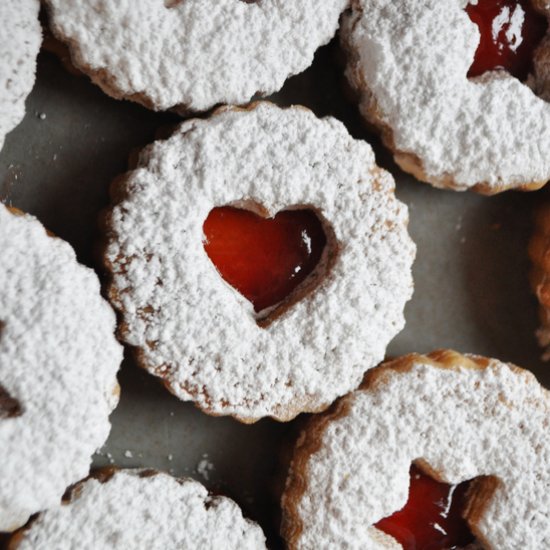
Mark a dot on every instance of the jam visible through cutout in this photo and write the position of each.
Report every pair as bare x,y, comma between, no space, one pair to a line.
432,518
510,32
265,259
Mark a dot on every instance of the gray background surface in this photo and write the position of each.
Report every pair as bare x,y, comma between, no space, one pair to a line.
471,293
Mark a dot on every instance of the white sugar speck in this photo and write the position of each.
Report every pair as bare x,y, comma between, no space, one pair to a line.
204,467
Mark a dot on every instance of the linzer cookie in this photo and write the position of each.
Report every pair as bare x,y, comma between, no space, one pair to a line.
193,54
439,451
58,365
140,509
458,90
19,44
259,260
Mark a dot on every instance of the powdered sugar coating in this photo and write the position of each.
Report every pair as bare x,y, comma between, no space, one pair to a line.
19,44
409,61
58,360
157,512
462,421
196,53
198,333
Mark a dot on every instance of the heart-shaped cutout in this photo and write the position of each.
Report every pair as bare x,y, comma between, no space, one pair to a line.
510,31
432,517
265,259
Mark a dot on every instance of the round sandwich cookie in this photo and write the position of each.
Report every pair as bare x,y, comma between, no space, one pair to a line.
58,364
259,260
459,90
432,452
140,509
191,55
19,44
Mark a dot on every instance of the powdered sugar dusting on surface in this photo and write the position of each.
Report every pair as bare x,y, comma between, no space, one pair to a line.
198,53
197,332
19,44
58,359
464,423
409,62
157,512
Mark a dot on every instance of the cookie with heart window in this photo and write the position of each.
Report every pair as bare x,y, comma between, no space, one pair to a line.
432,452
458,90
259,260
191,55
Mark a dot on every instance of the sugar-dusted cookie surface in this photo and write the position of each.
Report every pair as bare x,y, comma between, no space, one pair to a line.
58,365
199,334
193,54
455,416
19,44
141,509
409,62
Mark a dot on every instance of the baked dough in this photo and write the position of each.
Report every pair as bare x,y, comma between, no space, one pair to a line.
141,509
193,54
457,417
200,335
58,364
19,44
408,62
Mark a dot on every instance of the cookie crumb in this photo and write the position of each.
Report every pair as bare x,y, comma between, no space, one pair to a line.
204,467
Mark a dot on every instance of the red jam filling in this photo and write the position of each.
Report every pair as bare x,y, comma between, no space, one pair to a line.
510,32
265,259
432,518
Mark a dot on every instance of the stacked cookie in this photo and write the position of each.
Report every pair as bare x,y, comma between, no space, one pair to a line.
259,264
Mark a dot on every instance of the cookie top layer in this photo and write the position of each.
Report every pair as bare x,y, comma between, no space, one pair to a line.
142,510
409,61
198,333
19,44
193,54
458,417
58,364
